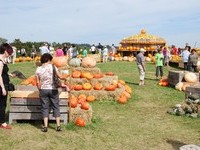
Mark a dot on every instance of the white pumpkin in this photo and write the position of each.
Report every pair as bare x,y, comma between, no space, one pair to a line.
190,77
179,86
75,62
88,62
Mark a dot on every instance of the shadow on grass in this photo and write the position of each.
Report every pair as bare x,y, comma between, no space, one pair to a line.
175,144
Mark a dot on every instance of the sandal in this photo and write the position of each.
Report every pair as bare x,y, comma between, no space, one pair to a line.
6,126
58,128
44,129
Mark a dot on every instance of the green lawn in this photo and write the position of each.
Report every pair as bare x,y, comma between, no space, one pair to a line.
141,124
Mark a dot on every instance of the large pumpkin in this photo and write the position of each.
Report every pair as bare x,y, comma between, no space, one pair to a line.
60,61
75,62
190,77
179,86
80,122
87,86
88,62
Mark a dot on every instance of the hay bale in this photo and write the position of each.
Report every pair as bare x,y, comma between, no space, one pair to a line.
94,70
101,94
78,112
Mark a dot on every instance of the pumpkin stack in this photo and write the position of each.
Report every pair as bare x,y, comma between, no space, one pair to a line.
89,80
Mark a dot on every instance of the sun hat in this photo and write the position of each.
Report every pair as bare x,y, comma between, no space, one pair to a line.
142,50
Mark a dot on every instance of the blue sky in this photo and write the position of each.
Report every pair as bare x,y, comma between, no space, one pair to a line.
104,21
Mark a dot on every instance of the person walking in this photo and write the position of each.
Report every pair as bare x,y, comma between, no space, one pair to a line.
192,61
105,54
159,63
185,56
5,51
47,91
140,60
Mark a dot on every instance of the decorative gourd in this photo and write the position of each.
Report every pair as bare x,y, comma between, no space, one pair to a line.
179,86
190,77
60,61
88,62
80,122
75,62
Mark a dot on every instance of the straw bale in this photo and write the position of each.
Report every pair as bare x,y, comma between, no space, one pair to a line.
94,70
100,94
85,114
106,80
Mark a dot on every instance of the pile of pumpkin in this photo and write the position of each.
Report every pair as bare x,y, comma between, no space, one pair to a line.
23,59
175,58
150,58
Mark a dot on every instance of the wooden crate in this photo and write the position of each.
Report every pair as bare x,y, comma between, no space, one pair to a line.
30,109
175,76
192,90
25,104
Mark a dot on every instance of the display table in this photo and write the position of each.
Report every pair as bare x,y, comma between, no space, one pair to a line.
25,105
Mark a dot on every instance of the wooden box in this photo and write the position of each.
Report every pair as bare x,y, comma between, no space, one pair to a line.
30,109
175,76
25,105
192,90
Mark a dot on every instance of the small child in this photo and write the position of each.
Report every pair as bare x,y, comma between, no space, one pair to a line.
159,63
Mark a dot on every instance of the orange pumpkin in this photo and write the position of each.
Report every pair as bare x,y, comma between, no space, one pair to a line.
73,102
109,73
78,87
98,75
128,89
122,82
60,61
80,122
85,106
122,99
81,98
90,98
98,86
76,74
87,86
110,87
30,80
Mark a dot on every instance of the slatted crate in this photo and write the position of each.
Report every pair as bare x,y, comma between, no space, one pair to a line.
25,105
175,76
190,90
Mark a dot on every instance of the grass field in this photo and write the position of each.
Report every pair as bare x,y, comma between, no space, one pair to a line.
141,124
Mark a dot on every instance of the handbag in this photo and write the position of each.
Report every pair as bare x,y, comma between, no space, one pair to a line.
11,87
56,80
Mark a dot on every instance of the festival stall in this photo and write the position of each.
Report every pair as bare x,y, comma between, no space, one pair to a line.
142,40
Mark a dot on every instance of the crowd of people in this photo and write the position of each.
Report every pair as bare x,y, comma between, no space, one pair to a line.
162,56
